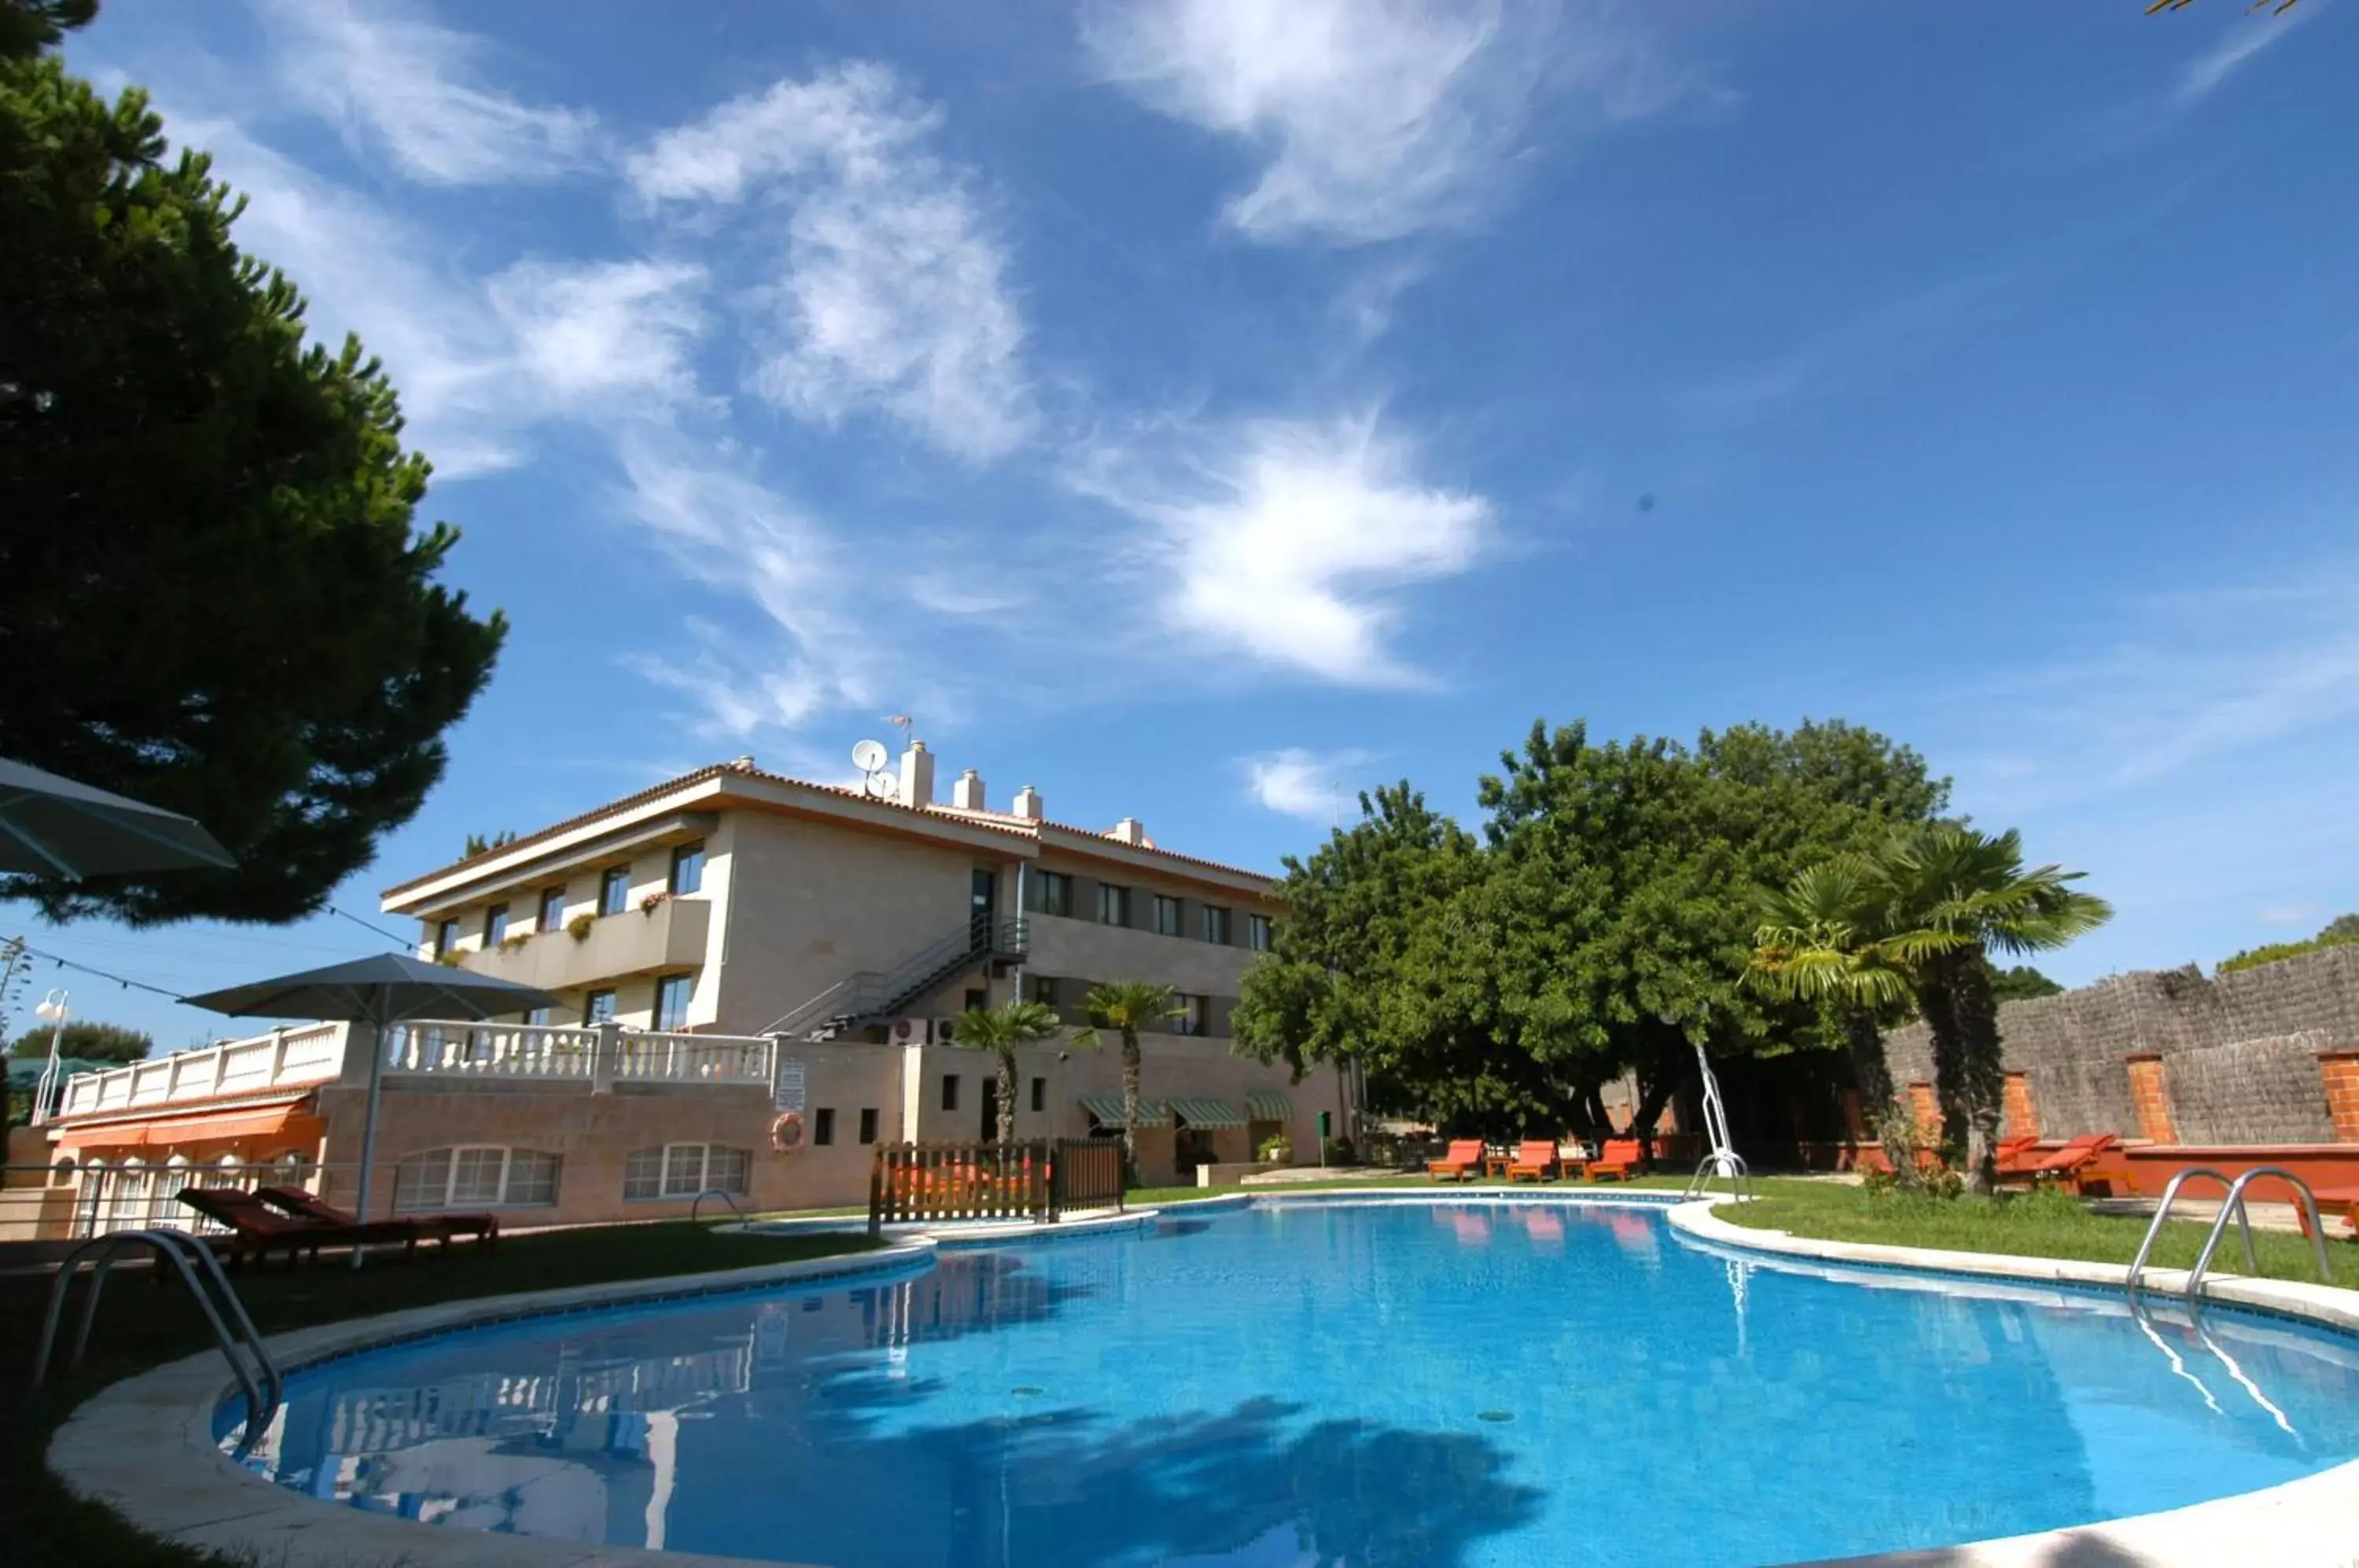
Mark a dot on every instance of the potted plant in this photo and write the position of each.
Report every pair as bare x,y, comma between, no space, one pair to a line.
578,928
654,902
1278,1150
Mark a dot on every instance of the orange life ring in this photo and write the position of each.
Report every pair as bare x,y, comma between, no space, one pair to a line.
786,1132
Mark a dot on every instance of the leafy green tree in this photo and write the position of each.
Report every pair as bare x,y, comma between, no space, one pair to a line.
2022,984
2340,932
1622,891
1002,1031
86,1040
210,586
1931,904
1126,1007
478,845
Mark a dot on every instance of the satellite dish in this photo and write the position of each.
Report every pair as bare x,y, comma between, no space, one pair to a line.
884,785
869,756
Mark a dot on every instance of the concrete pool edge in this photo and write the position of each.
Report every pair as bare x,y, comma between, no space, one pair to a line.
145,1446
2308,1523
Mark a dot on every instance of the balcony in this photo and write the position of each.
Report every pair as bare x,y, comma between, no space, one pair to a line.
669,935
306,1055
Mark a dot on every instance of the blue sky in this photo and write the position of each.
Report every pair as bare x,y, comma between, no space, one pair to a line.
1199,408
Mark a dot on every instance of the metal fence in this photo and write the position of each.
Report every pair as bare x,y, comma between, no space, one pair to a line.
1038,1180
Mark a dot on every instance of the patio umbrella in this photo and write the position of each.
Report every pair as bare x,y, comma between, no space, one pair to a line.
51,826
379,992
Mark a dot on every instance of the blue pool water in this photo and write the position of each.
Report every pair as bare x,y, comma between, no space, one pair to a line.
1370,1385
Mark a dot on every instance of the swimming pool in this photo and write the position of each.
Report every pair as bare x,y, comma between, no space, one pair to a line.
1372,1384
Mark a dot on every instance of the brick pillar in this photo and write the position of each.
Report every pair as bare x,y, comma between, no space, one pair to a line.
2022,1119
2339,1071
1925,1107
1853,1122
2147,1096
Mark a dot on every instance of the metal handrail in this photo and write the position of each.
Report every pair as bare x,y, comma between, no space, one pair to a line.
714,1192
2162,1212
1727,1163
177,1247
869,992
2235,1200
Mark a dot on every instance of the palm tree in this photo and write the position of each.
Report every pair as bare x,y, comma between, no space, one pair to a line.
1925,909
1001,1031
1126,1007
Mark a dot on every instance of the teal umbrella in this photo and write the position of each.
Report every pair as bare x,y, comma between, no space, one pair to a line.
51,826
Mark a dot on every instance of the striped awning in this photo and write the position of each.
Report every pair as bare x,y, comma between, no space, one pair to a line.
1265,1105
1208,1113
1107,1110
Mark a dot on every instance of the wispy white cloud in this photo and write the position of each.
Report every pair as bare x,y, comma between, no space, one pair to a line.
1290,539
588,332
1295,782
2246,37
885,280
396,85
2290,914
1374,120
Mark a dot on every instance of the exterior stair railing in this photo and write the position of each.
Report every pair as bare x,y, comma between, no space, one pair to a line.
874,994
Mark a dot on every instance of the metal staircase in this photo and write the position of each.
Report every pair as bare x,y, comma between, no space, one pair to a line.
2230,1207
871,995
200,1272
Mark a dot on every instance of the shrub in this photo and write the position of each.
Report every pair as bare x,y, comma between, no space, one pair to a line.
578,928
1278,1150
1339,1151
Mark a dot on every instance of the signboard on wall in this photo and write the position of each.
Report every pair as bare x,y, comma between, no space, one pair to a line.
787,1088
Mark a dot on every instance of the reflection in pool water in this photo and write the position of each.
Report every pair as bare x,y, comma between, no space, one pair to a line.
1373,1383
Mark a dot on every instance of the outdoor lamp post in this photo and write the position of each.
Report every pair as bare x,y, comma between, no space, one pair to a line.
53,1007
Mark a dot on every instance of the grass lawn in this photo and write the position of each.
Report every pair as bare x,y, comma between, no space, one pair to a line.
140,1325
2039,1225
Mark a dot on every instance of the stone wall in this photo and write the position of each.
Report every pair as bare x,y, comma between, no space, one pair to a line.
2239,1054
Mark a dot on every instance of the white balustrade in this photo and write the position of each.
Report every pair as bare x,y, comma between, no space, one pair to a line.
282,1059
652,1057
491,1050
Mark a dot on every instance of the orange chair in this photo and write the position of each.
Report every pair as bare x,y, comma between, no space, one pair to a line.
1534,1159
1463,1160
2067,1163
2015,1156
1618,1161
2328,1200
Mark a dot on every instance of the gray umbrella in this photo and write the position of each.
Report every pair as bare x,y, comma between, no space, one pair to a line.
54,827
379,992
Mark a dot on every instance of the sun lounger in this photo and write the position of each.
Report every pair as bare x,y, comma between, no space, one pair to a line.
257,1230
1463,1160
2328,1200
1618,1161
2015,1156
297,1203
2068,1163
1534,1161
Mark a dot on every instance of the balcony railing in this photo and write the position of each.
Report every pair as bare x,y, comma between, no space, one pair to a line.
651,1058
491,1050
310,1053
668,934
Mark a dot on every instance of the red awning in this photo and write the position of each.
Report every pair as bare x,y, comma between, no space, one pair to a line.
266,1132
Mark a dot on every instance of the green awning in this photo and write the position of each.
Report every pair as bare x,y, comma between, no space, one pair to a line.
1264,1105
1107,1110
1208,1113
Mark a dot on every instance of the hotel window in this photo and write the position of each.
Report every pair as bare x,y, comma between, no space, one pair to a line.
446,937
672,1001
1216,924
1257,932
949,1091
495,925
1167,916
1040,1094
1056,892
822,1127
687,868
1192,1013
597,1007
868,1125
614,891
684,1170
552,909
1043,989
542,1017
476,1177
1113,904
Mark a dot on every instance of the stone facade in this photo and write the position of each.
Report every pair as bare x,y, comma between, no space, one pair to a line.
2256,1056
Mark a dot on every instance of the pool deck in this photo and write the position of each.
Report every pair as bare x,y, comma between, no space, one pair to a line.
145,1446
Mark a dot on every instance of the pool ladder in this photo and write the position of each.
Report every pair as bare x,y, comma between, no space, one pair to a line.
209,1287
2230,1207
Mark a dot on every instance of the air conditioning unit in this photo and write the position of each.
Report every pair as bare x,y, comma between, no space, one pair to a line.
921,1031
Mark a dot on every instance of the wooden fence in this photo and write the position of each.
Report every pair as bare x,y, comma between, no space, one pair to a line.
1036,1180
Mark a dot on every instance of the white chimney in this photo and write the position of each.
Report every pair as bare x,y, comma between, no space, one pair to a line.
967,793
1028,804
1130,830
916,774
